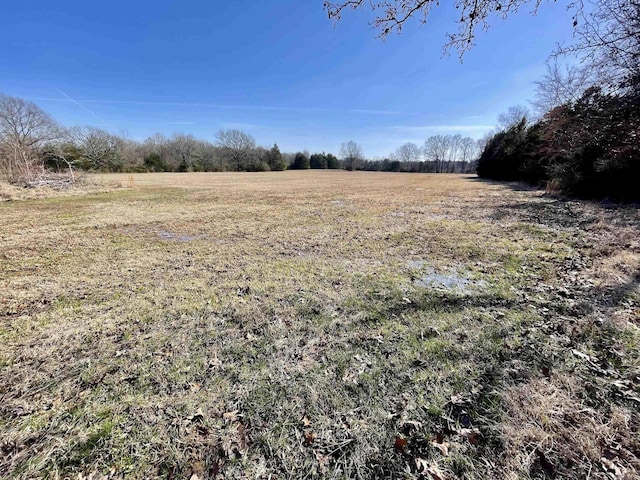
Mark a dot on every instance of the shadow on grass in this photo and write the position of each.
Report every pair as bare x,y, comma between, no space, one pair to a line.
612,297
515,186
551,213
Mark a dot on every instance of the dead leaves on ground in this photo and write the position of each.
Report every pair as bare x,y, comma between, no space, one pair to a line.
429,470
308,434
228,439
423,467
421,450
236,441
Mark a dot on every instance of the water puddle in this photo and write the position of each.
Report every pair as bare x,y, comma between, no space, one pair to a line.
176,237
427,277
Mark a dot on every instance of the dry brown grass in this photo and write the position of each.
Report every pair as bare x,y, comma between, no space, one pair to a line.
307,324
547,417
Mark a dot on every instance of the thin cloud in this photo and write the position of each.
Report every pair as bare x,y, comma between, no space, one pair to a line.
239,125
443,128
470,129
218,106
380,112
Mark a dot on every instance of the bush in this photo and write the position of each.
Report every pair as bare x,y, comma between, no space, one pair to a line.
258,166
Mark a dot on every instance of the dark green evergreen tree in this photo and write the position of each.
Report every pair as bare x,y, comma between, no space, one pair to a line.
332,162
275,160
318,160
301,162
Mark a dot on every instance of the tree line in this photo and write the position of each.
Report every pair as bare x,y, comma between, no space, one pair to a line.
31,142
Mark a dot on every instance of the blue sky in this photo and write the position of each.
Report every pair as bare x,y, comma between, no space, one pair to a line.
277,69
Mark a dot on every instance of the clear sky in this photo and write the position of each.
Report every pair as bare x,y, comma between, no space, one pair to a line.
277,69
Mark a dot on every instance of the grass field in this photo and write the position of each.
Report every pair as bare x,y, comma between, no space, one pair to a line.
318,324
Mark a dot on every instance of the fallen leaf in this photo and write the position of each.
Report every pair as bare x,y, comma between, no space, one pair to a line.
617,470
583,356
196,417
472,435
400,444
323,461
309,437
243,439
435,472
197,471
231,416
305,421
172,473
443,447
214,469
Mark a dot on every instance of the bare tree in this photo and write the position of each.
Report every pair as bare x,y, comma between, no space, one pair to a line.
606,32
209,157
158,144
24,129
468,152
560,85
392,15
236,146
453,152
469,149
409,152
352,154
436,149
101,149
63,150
608,41
185,150
513,116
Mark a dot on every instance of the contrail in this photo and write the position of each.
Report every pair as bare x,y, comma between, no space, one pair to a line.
87,109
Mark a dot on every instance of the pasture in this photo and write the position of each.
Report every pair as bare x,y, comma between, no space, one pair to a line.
313,324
